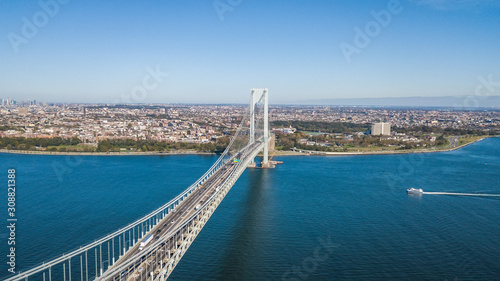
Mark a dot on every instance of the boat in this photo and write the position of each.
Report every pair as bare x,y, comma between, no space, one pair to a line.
414,191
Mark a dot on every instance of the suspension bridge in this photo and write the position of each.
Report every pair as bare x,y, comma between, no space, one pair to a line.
150,247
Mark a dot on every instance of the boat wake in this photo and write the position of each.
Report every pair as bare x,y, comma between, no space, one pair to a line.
462,194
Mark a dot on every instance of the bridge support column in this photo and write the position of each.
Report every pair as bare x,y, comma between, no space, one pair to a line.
266,130
252,121
252,115
256,96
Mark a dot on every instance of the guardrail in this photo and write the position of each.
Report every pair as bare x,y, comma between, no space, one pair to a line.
226,185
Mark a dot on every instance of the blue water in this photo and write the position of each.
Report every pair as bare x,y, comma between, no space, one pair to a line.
313,218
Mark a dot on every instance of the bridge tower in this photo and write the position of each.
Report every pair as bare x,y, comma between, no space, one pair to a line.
260,95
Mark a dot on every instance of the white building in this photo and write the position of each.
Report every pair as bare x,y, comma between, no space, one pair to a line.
381,129
285,130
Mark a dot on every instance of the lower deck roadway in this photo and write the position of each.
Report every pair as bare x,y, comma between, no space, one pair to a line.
177,217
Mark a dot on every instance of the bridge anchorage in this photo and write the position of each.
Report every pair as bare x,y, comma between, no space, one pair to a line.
150,247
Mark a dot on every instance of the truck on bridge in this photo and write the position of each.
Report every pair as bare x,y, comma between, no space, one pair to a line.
145,241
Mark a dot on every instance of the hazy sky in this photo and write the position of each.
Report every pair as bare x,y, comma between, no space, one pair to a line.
215,51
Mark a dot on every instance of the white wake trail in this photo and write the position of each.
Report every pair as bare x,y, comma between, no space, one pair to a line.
462,194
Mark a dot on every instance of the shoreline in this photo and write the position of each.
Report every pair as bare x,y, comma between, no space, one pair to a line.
278,153
382,152
72,153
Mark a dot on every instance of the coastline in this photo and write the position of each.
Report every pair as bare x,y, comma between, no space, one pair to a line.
383,152
278,153
152,153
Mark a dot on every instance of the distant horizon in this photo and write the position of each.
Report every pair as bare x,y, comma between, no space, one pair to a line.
458,102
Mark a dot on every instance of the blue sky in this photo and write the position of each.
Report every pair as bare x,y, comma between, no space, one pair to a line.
103,51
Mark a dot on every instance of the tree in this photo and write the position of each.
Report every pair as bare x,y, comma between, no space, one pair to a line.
104,146
441,140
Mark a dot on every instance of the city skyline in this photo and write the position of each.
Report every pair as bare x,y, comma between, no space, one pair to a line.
213,52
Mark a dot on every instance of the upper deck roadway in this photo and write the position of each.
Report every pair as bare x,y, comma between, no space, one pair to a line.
148,263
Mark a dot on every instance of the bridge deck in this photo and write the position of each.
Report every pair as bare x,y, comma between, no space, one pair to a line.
182,214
